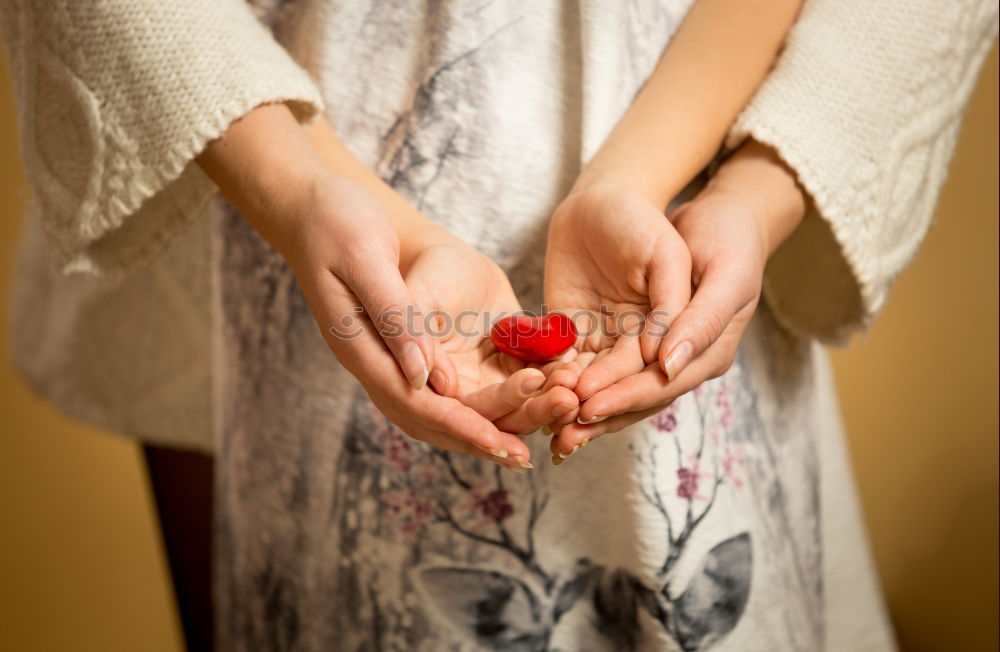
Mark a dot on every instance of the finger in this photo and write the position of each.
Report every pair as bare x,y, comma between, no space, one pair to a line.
576,436
557,426
669,274
640,391
362,351
721,293
561,374
569,417
350,332
715,361
568,356
539,411
498,399
623,360
444,377
397,318
449,443
651,389
587,358
465,424
571,439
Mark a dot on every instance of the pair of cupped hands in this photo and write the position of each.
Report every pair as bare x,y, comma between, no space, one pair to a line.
672,293
695,274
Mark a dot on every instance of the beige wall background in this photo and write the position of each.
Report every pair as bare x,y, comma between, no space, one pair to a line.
81,567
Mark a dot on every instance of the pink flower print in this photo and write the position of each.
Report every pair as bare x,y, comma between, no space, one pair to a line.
665,420
398,450
687,482
726,417
428,473
732,459
725,406
496,506
492,505
409,510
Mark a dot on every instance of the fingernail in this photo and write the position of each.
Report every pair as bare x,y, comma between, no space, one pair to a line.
495,452
678,359
557,460
520,461
529,385
510,467
583,443
593,419
575,449
546,430
411,359
562,410
438,381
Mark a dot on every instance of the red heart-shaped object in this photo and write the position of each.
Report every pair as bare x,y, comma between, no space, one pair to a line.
534,339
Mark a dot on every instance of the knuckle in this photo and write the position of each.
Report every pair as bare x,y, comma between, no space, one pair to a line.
415,434
714,324
681,254
723,365
453,423
445,420
387,311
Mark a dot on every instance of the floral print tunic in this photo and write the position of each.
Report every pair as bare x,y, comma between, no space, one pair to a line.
705,527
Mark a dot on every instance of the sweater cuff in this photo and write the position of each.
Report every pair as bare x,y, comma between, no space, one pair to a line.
117,100
865,109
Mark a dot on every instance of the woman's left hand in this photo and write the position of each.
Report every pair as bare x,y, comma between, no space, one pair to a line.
750,207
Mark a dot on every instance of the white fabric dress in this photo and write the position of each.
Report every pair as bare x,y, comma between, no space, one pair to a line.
727,522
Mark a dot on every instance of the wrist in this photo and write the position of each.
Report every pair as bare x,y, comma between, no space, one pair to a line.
332,216
264,165
599,175
414,230
757,176
320,215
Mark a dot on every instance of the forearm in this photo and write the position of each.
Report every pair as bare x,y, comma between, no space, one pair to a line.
413,227
264,165
707,74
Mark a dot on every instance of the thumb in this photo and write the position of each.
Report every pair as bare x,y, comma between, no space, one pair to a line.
397,319
719,296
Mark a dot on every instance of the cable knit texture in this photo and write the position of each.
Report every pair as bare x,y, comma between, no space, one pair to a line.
117,98
864,104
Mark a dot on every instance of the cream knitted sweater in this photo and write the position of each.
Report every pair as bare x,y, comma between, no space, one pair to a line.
865,105
115,100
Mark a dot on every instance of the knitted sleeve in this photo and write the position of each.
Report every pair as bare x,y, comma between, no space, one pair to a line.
116,98
864,104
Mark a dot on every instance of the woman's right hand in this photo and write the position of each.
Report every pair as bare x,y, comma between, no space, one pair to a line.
345,254
342,246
